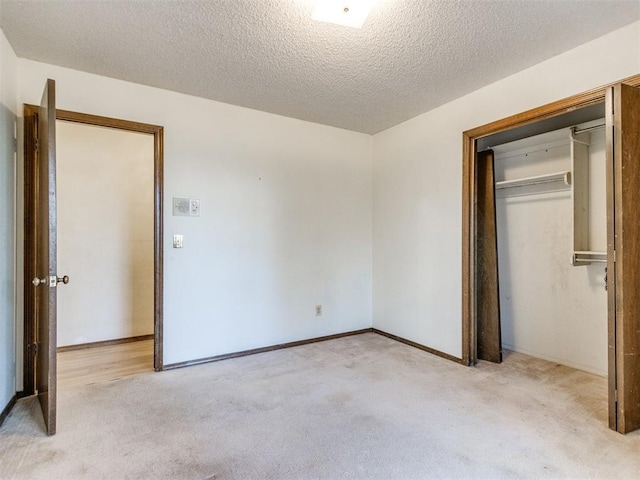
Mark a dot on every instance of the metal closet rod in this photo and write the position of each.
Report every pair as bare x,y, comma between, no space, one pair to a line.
588,129
584,257
579,258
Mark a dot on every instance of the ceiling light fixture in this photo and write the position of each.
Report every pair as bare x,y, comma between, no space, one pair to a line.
350,13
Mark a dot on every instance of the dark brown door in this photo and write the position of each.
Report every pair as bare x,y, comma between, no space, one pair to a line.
46,268
488,299
623,255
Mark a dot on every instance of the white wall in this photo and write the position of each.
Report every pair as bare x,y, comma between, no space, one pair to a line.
549,308
418,187
285,215
105,241
8,106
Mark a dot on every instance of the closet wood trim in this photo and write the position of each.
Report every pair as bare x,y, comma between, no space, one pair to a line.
624,256
469,194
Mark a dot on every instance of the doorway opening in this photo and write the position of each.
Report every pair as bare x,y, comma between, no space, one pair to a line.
97,238
104,203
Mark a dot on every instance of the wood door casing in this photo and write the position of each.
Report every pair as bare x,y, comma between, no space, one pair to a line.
489,335
610,282
46,304
30,133
623,142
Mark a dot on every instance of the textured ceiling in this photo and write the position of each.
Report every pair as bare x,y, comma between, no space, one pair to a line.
410,56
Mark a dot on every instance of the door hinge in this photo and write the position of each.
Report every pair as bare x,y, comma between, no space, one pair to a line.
36,145
615,395
614,256
34,349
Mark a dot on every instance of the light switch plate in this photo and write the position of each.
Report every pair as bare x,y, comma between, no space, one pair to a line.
186,207
178,241
194,207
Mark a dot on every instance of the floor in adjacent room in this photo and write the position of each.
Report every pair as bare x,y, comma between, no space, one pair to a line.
357,407
102,364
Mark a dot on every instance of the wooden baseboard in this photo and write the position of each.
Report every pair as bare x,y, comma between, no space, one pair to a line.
271,348
7,409
104,343
430,350
22,394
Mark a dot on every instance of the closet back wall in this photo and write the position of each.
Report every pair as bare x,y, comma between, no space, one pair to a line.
549,308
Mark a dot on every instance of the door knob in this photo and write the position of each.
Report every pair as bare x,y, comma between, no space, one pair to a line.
52,282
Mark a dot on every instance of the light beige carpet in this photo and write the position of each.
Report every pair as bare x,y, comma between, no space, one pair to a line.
354,408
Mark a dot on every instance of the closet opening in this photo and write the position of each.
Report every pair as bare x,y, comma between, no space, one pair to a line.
551,226
550,198
524,177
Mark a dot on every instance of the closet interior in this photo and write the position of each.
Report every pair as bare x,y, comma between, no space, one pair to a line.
550,260
551,225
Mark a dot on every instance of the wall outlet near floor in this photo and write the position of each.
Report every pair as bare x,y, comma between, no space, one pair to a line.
318,310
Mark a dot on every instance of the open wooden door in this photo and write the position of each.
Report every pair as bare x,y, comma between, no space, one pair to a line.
489,338
623,255
45,251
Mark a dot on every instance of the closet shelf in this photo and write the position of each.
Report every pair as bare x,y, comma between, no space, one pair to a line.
588,257
551,182
556,178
